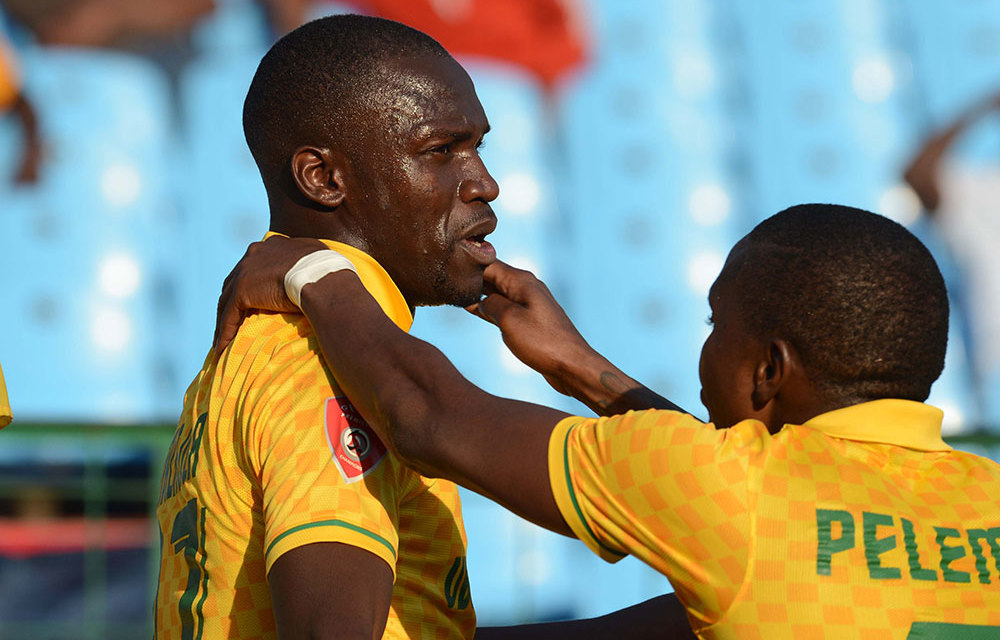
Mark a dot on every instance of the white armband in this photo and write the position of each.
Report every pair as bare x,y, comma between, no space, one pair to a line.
311,268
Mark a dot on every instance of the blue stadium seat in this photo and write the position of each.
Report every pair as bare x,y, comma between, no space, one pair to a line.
827,102
222,198
520,572
85,268
651,204
954,49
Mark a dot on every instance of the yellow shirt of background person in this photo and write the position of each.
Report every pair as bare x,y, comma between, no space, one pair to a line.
10,78
844,527
271,456
5,414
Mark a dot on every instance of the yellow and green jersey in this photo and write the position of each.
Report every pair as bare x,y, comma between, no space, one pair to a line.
860,523
270,455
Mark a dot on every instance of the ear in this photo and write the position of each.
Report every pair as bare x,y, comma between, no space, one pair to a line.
778,366
318,173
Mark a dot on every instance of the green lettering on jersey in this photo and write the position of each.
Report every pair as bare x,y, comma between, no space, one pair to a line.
456,585
182,458
949,554
992,537
826,544
875,546
917,571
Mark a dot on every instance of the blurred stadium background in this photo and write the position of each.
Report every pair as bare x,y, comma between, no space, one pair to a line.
634,142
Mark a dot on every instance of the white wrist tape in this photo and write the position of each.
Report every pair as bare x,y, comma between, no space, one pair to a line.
311,268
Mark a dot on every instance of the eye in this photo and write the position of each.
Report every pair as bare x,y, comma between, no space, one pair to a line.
442,149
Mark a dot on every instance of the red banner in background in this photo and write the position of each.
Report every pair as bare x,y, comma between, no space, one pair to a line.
545,37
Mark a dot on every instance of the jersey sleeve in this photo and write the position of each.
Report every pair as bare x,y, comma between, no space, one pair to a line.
662,486
324,475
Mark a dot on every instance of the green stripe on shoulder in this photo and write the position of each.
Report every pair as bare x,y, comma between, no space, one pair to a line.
947,631
572,496
332,523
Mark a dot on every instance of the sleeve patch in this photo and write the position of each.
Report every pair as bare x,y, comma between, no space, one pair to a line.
356,450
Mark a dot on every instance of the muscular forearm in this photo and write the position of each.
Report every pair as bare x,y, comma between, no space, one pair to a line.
607,390
662,617
435,419
378,366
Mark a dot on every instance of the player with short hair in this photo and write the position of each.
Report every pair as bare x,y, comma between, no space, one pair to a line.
822,502
281,513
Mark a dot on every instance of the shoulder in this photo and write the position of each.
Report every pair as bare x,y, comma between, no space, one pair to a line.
272,356
671,428
271,341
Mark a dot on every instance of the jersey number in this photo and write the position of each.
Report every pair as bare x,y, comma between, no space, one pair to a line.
188,537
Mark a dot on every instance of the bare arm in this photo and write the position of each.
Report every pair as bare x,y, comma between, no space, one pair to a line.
662,617
417,401
330,590
31,153
922,172
533,325
437,421
540,334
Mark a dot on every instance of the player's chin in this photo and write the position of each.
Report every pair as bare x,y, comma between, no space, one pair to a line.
466,296
461,291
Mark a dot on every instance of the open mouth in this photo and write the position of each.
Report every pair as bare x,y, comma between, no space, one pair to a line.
479,249
475,243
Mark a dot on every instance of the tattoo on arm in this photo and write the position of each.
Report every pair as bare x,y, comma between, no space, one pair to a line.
623,397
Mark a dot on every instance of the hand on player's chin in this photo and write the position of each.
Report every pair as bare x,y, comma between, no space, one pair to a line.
533,325
256,283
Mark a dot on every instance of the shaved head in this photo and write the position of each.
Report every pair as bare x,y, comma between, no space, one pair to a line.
313,83
858,295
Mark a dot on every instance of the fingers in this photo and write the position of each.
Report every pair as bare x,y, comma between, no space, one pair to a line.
230,319
517,284
228,316
494,307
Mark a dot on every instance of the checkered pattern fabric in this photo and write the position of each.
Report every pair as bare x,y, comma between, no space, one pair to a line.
861,523
253,472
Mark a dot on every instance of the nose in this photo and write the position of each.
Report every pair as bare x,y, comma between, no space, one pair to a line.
479,184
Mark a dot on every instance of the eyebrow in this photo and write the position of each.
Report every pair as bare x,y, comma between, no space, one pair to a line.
432,131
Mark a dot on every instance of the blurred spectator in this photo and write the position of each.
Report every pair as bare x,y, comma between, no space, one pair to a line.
544,37
105,23
13,101
963,200
156,29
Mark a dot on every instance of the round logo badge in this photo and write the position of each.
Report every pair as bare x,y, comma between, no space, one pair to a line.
356,443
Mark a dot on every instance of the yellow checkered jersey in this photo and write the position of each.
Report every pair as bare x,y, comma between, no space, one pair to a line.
269,455
860,523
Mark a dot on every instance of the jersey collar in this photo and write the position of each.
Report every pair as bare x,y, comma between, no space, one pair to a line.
375,280
903,423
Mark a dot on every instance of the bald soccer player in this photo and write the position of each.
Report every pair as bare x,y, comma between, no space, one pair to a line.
821,502
281,513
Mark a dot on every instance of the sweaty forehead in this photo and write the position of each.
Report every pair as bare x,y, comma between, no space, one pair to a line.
418,93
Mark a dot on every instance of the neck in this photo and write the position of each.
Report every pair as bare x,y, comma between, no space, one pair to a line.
304,222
